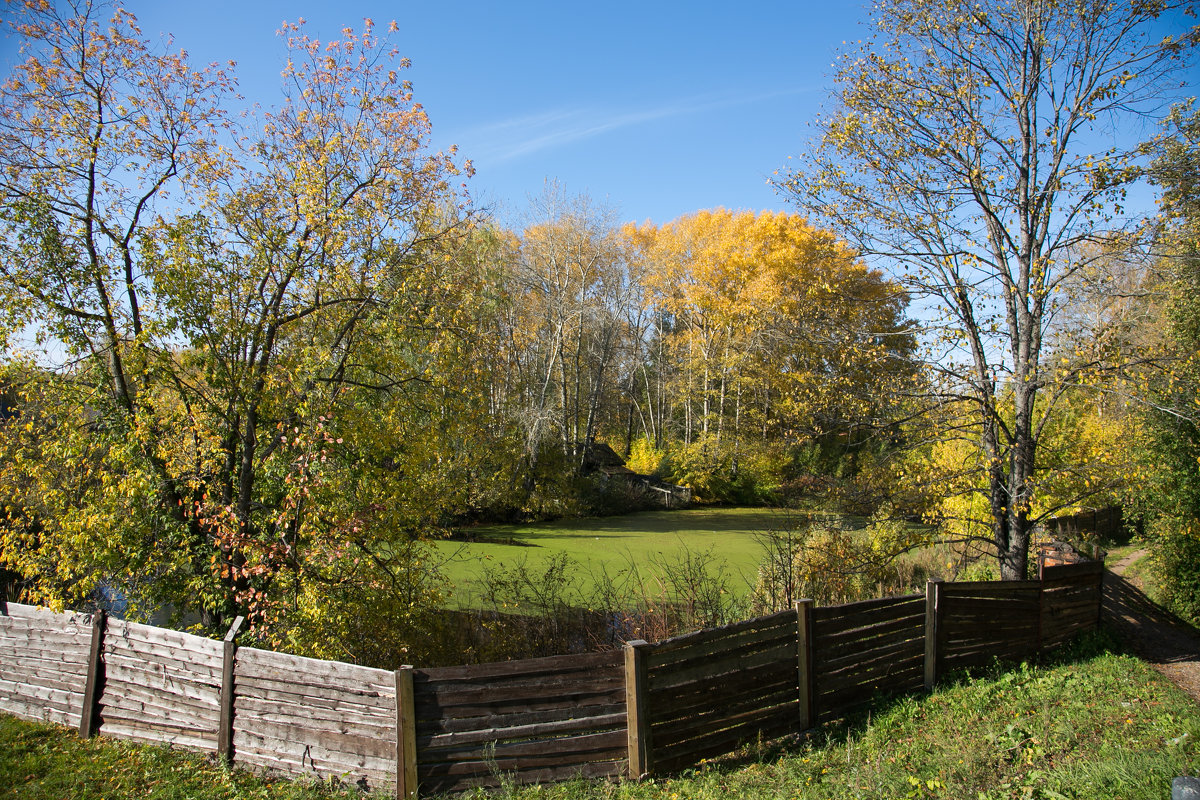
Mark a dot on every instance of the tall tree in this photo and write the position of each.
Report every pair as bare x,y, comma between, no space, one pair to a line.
968,150
1170,453
232,420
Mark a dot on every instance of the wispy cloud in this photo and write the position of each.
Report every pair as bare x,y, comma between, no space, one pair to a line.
514,138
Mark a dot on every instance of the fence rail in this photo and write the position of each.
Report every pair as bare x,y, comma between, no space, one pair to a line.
651,708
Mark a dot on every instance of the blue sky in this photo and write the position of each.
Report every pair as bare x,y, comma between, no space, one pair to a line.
653,108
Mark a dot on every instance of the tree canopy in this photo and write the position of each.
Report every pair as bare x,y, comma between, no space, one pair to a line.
964,152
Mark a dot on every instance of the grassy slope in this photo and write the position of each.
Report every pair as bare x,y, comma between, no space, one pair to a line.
613,542
1094,724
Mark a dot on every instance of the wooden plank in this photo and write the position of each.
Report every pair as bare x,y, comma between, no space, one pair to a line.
353,725
989,588
406,735
859,608
95,677
435,726
286,668
727,666
778,620
125,672
805,663
334,742
826,640
138,636
475,701
639,752
558,728
933,590
529,667
562,685
1083,568
315,758
869,659
556,749
427,711
676,707
150,704
722,715
769,723
882,671
852,647
318,695
228,659
34,673
164,661
720,640
715,688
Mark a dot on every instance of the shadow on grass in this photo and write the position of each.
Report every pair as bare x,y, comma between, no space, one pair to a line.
1146,628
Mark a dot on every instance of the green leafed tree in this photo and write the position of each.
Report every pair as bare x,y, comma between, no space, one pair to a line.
238,407
1170,450
976,151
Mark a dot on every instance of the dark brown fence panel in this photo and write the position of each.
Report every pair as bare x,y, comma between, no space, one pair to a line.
984,621
712,691
862,648
43,663
318,718
160,686
536,720
1070,600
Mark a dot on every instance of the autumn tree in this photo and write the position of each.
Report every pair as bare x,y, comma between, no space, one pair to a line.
777,332
965,154
567,286
259,391
96,127
1169,496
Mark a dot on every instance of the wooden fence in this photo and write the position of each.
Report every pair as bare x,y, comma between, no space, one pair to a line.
646,709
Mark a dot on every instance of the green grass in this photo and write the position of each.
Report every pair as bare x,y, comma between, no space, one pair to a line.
1095,723
596,544
50,762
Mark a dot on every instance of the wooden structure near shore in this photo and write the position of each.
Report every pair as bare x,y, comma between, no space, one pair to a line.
644,710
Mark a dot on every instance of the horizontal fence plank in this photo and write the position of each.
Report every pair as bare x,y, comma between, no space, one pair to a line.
722,640
480,706
825,653
430,726
381,717
559,727
989,588
525,668
768,724
871,660
853,615
664,732
604,741
1083,568
778,620
667,708
720,667
312,758
285,668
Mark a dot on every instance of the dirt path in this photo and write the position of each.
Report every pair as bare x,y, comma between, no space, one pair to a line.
1154,633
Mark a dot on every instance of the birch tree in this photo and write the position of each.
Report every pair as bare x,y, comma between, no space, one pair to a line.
975,149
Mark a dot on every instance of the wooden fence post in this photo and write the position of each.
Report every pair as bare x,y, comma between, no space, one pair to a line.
225,729
95,676
406,735
636,713
804,663
933,630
